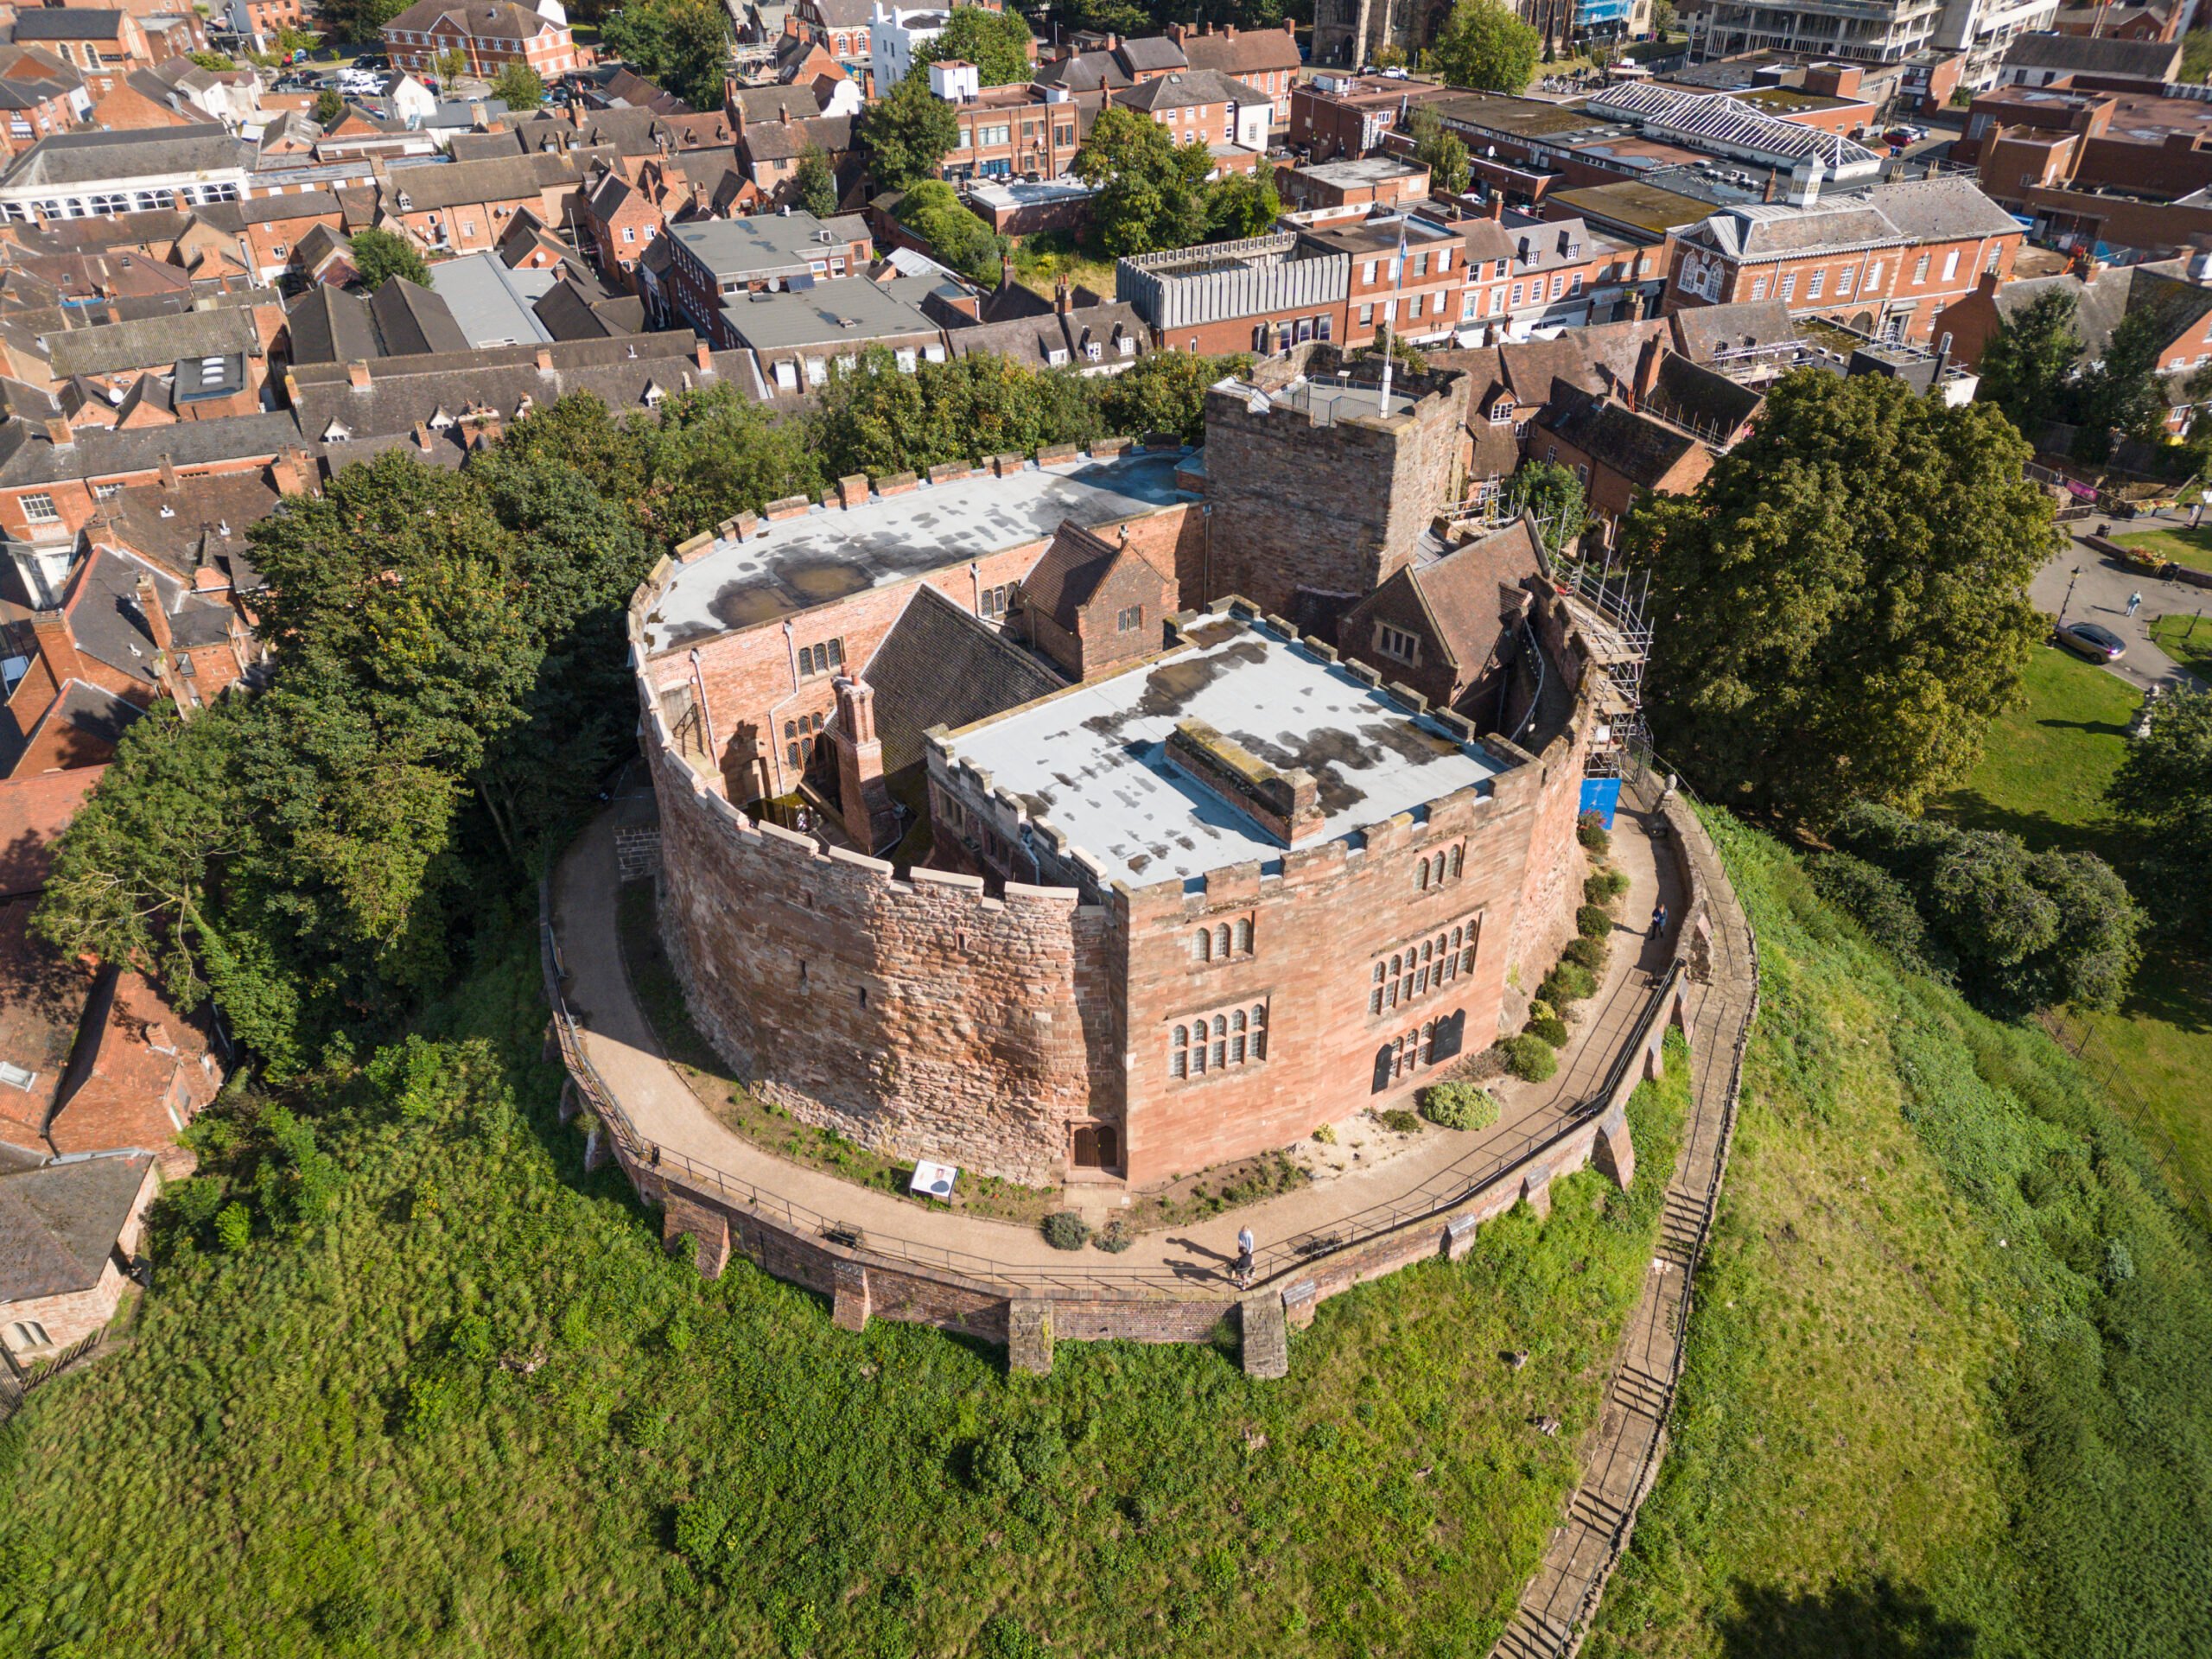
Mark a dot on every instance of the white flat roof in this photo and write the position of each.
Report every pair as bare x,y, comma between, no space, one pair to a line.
1091,760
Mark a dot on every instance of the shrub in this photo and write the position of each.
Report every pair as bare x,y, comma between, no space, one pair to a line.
1114,1238
1457,1106
1568,982
1593,921
1529,1057
1878,901
1066,1230
1552,1030
1401,1122
1604,887
234,1226
1590,831
1586,953
1327,1135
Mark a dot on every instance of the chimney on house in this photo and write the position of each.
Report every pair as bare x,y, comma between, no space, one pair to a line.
57,645
478,121
1062,302
356,373
1496,206
290,472
862,792
422,436
1228,31
168,477
1647,374
149,607
703,355
545,358
1768,193
784,114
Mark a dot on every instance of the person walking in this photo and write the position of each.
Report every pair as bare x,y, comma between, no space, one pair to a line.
1243,1270
2134,603
1659,920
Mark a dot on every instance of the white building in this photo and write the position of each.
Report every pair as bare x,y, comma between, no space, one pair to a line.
1984,29
895,34
93,174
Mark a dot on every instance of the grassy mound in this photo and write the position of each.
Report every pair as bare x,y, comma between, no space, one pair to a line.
474,1409
1944,1392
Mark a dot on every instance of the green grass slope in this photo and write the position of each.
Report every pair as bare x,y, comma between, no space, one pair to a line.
476,1410
1945,1391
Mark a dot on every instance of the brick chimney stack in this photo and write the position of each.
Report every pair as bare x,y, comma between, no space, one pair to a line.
57,645
1062,302
356,373
861,794
149,607
1647,372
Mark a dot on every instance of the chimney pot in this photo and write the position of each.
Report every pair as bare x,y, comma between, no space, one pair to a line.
356,373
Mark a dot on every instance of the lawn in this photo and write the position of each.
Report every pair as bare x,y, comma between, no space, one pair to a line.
2188,640
2191,547
2043,778
1942,1299
476,1409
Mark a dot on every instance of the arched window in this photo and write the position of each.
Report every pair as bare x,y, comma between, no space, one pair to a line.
791,753
29,1334
1221,941
1237,1040
1375,998
1220,1041
1202,945
818,723
790,728
1420,876
1458,857
1178,1054
1260,1033
1199,1050
1244,936
1467,957
1427,1041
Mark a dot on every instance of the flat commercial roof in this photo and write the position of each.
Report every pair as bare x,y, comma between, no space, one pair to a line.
1092,760
789,566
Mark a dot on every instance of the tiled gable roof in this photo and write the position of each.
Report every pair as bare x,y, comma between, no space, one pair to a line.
940,666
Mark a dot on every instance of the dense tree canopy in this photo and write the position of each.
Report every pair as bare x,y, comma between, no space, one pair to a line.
519,86
907,134
380,255
1241,205
996,42
814,183
1152,191
682,45
2165,786
2029,362
957,237
1440,150
1554,494
1485,45
1841,607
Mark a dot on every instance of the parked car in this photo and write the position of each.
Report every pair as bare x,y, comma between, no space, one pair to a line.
2087,639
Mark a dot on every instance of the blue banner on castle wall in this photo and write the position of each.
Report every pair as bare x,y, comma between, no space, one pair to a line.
1601,796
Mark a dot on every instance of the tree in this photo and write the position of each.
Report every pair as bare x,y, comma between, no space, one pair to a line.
907,134
519,86
1151,190
1554,494
997,42
813,183
957,237
329,109
1241,205
2119,393
2165,787
1663,18
682,45
217,62
380,255
1485,46
2029,361
1439,150
1165,391
450,66
1841,606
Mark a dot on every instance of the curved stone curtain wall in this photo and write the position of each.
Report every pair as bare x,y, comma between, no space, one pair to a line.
916,1017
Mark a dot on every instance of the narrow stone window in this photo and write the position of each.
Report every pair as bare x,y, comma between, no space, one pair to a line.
1236,1038
1220,1041
1244,937
1221,941
1202,946
1420,875
1260,1032
1178,1055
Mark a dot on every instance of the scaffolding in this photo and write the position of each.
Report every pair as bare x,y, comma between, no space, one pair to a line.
1610,606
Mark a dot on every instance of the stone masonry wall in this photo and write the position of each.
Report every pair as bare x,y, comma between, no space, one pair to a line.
1333,510
918,1017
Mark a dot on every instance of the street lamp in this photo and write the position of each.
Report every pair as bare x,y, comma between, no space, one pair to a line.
2069,599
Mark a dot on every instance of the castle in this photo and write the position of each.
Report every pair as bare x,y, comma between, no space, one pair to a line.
1162,805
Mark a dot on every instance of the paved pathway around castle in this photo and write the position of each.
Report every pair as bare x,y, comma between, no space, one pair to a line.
2100,594
621,1046
1621,1454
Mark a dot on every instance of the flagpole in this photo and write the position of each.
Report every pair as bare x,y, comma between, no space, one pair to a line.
1391,318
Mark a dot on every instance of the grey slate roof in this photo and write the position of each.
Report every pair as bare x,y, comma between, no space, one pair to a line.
411,320
1187,89
1704,331
58,1225
97,452
2147,59
1778,232
1641,450
849,312
766,244
1941,210
328,325
1032,340
940,666
434,185
67,24
152,342
77,158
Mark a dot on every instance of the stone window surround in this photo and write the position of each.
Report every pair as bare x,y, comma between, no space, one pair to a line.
1228,1038
1406,976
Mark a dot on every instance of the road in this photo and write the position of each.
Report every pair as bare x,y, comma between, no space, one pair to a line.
2100,586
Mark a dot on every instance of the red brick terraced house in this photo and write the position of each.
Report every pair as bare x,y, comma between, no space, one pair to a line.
1265,58
488,36
40,95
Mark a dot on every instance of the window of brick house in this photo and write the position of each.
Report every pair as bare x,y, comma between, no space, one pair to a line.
1219,1042
1428,1044
39,509
1421,968
1789,285
26,1334
1759,288
1396,643
1920,268
1129,618
820,659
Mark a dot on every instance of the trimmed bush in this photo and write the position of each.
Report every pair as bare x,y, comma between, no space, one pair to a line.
1593,921
1568,982
1529,1057
1586,953
1457,1106
1114,1238
1066,1230
1552,1030
1327,1135
1605,886
1401,1122
1590,831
